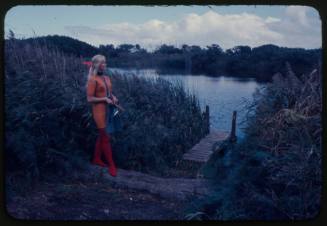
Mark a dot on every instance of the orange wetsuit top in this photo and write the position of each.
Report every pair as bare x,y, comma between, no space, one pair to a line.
97,88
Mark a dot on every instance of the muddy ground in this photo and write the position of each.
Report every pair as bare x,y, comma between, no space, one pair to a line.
92,201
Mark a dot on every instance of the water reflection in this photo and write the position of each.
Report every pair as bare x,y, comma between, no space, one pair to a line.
222,94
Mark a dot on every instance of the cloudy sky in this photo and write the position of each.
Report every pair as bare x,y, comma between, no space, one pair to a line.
228,26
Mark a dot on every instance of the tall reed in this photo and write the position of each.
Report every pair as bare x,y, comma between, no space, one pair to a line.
50,132
276,172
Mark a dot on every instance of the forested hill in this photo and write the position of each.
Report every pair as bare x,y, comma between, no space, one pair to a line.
242,61
65,44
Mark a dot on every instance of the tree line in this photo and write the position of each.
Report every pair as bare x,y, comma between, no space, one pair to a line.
260,62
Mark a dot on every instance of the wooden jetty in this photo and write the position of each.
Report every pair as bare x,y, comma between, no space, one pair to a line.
202,150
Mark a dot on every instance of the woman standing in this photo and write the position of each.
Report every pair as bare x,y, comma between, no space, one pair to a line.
98,85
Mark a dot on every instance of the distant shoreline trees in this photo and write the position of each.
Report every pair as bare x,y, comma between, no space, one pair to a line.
240,61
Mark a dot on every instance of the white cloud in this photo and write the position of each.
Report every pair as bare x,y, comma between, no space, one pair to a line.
297,13
299,27
294,29
272,19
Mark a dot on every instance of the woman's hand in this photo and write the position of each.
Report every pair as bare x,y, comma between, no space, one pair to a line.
109,101
115,99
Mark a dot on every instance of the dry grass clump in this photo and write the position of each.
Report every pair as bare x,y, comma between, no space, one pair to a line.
275,172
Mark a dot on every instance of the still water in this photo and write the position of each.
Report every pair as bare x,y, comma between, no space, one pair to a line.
222,94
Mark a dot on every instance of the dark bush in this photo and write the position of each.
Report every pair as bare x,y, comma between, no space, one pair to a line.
162,122
275,172
50,131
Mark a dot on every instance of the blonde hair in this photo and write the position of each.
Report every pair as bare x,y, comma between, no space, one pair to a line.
96,61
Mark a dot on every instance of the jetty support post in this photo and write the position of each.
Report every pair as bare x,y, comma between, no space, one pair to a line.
207,119
232,136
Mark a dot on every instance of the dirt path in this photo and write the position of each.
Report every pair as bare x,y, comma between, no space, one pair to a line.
95,195
178,188
92,201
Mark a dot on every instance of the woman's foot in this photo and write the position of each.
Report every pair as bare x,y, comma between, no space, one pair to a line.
112,169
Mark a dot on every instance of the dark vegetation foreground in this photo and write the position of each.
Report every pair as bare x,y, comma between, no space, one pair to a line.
92,201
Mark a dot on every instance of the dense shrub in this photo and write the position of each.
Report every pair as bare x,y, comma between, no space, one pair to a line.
162,121
275,172
50,131
46,116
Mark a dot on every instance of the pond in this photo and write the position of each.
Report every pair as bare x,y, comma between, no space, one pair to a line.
222,94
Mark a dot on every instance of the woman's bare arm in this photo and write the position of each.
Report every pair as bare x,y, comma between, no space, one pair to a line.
93,99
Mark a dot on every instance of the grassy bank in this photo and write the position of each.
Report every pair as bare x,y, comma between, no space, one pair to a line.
50,133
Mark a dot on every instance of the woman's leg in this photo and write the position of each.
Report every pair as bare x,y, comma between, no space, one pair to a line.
97,153
107,151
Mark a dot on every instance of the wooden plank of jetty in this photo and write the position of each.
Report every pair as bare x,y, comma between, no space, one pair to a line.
201,151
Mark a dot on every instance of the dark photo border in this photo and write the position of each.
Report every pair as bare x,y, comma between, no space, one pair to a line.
318,5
